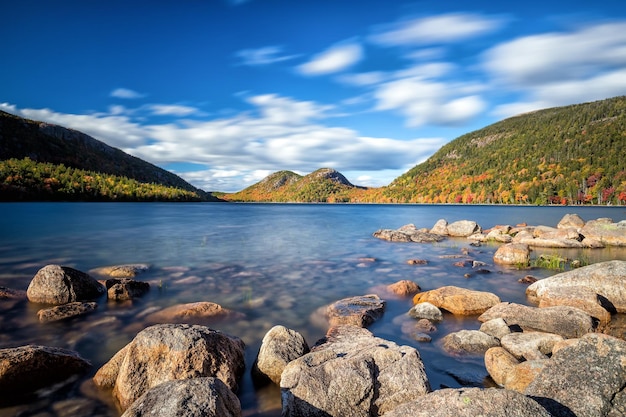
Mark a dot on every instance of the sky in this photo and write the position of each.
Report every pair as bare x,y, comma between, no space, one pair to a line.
226,92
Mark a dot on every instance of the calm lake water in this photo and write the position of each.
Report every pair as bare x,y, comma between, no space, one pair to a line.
275,263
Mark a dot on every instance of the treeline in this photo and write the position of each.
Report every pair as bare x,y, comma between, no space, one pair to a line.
27,180
566,155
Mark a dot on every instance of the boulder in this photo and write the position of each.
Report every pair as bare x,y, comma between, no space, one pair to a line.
551,233
583,378
358,311
124,289
605,231
55,284
168,352
583,298
121,271
403,288
195,397
469,342
427,311
352,373
496,328
440,227
499,363
66,311
408,233
463,228
571,221
512,254
202,312
530,345
280,346
471,402
607,279
458,301
568,322
499,236
523,374
25,369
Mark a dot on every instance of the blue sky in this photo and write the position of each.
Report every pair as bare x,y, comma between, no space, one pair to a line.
226,92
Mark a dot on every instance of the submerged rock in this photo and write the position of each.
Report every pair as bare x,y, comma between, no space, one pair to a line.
352,373
123,289
121,271
25,369
359,311
403,288
65,311
55,284
202,312
427,311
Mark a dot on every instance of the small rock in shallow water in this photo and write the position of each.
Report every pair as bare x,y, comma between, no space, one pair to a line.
65,311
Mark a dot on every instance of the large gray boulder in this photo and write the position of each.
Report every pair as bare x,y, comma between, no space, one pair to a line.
463,228
168,352
471,402
583,378
467,342
352,373
280,346
605,278
55,284
605,231
195,397
25,369
568,322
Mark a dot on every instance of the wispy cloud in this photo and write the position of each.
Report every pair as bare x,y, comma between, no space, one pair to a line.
336,58
280,133
263,56
171,110
561,68
126,93
446,28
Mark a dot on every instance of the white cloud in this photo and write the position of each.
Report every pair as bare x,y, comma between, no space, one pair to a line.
336,58
424,101
281,133
172,110
446,28
556,69
263,56
125,93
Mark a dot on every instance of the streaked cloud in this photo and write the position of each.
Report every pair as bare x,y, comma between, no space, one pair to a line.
126,93
336,58
172,110
559,68
446,28
263,56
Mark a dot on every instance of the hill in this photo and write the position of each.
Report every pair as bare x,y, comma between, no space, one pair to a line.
50,146
322,186
565,155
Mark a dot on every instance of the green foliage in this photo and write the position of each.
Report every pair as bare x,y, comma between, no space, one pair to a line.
567,155
25,179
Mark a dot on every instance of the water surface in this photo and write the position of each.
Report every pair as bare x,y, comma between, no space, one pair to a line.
275,263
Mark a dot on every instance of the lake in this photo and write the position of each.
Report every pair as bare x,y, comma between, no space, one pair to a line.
275,263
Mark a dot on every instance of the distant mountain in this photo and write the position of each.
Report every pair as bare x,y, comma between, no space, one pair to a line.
47,143
321,186
565,155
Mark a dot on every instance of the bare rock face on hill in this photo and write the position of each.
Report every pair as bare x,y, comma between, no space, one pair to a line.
333,175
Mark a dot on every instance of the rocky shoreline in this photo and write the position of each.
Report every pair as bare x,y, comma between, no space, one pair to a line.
563,357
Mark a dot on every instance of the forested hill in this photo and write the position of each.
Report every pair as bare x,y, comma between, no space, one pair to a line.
566,155
52,150
325,185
